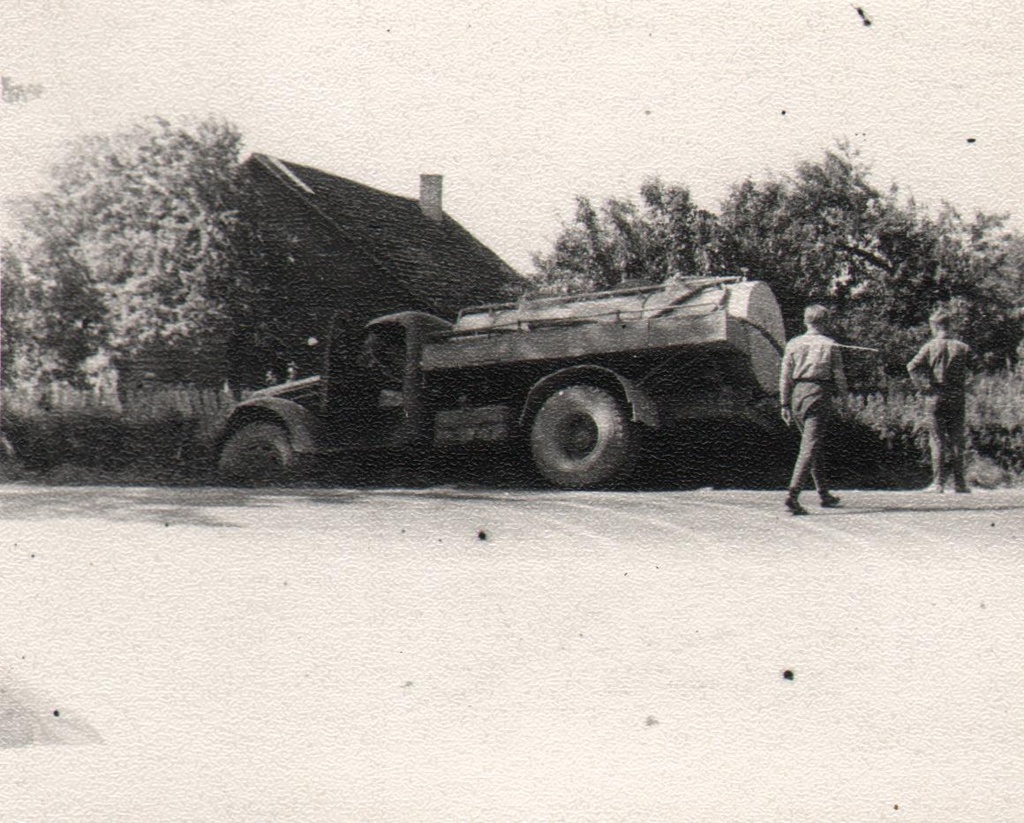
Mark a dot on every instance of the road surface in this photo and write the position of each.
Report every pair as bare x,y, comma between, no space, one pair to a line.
474,655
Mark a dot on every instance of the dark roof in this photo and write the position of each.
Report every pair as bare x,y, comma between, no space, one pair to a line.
439,263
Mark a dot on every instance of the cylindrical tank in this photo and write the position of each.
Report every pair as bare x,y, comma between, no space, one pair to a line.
753,318
759,325
622,305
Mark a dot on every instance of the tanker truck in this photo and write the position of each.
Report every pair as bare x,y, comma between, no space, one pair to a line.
575,383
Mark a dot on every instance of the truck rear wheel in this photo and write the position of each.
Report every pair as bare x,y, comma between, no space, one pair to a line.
259,453
582,438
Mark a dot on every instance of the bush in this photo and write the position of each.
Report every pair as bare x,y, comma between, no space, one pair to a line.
889,427
995,418
160,433
880,441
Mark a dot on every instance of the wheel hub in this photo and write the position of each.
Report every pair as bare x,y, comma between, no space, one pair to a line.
580,436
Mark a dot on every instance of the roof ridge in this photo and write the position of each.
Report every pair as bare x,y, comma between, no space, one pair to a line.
281,166
290,166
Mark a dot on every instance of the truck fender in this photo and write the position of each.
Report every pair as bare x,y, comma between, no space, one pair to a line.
641,407
304,428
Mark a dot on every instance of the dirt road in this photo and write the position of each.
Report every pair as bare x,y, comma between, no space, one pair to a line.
447,654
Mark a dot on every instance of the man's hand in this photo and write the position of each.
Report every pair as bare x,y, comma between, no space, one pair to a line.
787,416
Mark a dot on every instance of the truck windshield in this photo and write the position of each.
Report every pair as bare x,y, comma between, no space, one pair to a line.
385,351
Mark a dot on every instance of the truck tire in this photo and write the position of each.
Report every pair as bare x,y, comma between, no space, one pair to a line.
259,453
582,438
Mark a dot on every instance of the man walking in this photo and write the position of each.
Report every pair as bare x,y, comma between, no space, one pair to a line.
811,380
939,370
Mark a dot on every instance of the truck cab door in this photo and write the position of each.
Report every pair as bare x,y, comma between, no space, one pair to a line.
364,390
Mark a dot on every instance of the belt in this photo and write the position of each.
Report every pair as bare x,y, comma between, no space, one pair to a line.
813,380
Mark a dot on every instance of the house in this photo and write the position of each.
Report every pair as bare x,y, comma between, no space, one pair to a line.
330,252
326,254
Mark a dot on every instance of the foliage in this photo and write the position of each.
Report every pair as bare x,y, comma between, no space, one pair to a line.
15,304
155,434
133,245
621,243
823,233
995,426
827,234
809,236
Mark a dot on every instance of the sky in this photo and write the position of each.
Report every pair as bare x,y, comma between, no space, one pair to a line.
523,106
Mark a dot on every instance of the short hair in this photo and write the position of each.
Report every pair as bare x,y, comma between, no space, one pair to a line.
940,319
816,314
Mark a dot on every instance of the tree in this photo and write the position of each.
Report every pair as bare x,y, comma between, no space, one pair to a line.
827,234
135,244
15,310
811,236
622,243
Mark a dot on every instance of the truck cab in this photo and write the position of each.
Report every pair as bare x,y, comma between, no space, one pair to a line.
367,397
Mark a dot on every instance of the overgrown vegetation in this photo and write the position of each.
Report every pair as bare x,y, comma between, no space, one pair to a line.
134,248
155,434
897,449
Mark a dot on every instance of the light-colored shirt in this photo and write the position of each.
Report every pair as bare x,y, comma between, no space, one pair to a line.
940,366
812,357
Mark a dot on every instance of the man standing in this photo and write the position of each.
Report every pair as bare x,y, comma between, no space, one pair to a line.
811,380
939,370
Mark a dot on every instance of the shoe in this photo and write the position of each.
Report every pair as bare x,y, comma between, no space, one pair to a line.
934,488
963,488
794,506
830,501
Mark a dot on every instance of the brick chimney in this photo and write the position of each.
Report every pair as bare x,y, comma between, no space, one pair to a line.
430,196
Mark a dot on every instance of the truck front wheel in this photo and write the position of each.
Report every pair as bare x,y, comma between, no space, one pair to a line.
258,453
582,438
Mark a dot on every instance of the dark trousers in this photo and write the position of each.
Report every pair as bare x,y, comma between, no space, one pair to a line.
946,434
812,412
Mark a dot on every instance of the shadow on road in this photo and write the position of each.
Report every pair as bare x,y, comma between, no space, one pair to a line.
212,506
28,717
224,507
980,504
173,506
